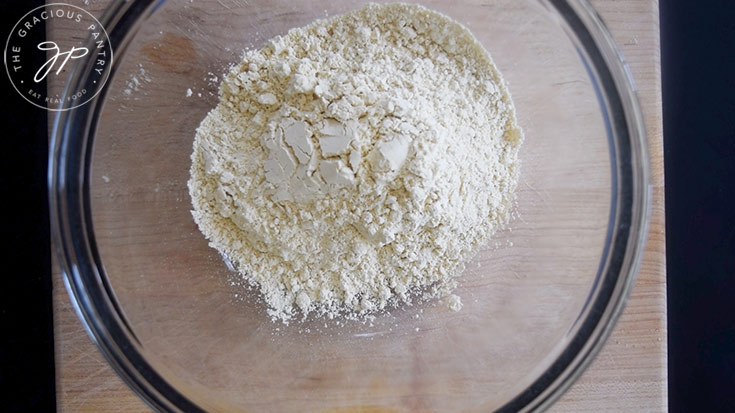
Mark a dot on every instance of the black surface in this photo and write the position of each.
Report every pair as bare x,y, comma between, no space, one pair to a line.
27,351
698,74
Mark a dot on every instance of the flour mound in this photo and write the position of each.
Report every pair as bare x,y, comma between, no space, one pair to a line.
357,162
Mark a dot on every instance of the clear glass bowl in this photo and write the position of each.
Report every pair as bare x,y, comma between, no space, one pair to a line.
539,301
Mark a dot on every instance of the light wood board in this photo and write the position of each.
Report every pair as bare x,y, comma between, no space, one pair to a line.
630,372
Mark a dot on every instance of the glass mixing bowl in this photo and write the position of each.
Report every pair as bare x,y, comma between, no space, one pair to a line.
538,302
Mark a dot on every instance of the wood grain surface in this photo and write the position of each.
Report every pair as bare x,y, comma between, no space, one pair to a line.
629,374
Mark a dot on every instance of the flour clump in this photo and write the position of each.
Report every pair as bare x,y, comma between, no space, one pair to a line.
358,162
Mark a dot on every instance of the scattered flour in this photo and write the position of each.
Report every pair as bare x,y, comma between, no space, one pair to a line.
454,302
357,163
136,80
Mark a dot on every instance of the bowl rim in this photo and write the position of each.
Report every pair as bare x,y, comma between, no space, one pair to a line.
93,299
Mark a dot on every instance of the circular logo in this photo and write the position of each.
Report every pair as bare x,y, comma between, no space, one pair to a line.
39,69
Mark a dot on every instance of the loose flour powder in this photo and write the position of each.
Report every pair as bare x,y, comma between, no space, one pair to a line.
358,162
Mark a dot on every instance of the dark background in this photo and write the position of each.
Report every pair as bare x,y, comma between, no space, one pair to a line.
26,323
698,69
698,77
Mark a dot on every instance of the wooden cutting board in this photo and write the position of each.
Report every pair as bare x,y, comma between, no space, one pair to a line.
629,374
